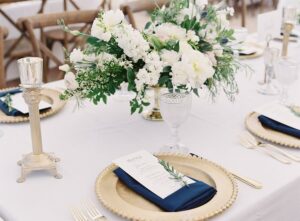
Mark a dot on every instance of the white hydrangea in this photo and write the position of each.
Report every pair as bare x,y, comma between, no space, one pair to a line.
169,57
104,58
153,62
70,81
168,31
132,42
180,73
150,74
76,55
146,77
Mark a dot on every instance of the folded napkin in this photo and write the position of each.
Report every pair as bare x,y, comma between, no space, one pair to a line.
275,125
3,106
195,195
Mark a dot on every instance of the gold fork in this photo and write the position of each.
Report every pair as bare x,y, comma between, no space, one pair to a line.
92,211
248,143
257,142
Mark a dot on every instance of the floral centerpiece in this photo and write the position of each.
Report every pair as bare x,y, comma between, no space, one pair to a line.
185,46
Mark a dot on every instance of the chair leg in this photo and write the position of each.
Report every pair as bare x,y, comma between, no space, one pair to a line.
50,45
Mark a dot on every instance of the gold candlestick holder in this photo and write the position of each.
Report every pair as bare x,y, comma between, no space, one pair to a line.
154,113
287,29
31,75
289,21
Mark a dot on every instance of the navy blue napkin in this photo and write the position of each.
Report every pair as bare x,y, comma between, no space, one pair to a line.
275,125
3,106
186,198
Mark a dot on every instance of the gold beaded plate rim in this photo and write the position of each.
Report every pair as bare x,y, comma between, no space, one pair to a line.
255,127
259,51
49,95
122,201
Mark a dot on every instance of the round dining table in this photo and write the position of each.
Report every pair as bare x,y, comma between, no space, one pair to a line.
88,138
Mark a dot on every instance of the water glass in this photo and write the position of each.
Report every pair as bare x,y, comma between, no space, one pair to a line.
286,70
175,109
268,87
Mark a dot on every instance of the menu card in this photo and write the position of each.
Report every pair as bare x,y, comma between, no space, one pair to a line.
280,113
146,169
268,23
19,104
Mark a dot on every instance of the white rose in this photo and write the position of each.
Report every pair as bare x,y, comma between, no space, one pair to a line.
70,81
113,17
99,32
169,57
184,47
201,67
64,68
76,55
168,31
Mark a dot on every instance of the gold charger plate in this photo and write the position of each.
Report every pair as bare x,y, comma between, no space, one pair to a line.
255,127
259,50
48,95
121,200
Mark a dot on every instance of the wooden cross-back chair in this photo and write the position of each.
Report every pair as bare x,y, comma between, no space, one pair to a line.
16,48
3,34
42,21
132,7
57,35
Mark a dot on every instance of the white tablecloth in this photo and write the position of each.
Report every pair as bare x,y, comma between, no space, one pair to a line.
88,139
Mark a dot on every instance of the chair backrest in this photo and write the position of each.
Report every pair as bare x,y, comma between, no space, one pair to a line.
42,21
11,1
132,7
3,34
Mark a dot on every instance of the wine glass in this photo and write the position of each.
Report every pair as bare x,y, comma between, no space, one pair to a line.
175,109
286,71
271,56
